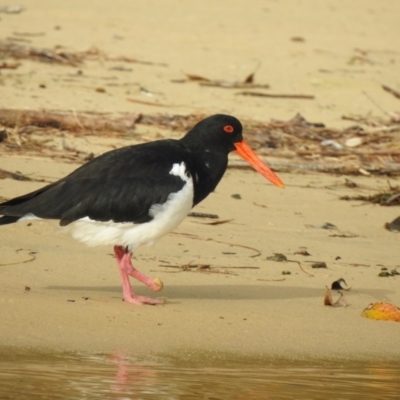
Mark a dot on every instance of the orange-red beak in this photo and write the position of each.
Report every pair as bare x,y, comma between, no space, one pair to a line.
244,150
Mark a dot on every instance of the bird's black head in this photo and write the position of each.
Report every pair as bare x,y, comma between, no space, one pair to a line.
219,132
219,135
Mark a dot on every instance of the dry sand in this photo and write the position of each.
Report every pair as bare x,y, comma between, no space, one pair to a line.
209,312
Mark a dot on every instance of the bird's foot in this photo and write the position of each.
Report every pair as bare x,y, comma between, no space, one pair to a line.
126,269
135,299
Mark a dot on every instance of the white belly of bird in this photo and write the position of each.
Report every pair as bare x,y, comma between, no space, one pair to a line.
166,217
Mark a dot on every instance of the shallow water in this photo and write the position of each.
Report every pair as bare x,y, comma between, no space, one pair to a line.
32,375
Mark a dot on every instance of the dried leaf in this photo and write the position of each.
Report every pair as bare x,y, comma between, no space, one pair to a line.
277,257
297,39
350,184
319,264
395,272
303,253
250,78
328,225
382,311
386,198
385,273
393,226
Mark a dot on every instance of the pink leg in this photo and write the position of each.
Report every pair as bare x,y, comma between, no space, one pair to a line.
125,269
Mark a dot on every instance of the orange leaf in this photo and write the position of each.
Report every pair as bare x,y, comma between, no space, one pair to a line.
382,311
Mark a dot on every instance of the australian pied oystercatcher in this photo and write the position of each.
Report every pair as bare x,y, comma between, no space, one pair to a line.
134,195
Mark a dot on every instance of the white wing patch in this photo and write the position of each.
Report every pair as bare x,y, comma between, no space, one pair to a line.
166,217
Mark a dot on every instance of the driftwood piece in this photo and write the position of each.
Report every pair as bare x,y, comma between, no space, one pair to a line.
68,121
293,145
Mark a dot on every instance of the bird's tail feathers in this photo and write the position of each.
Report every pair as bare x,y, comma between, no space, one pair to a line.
8,219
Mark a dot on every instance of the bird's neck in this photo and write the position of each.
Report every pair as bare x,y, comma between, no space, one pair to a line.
207,168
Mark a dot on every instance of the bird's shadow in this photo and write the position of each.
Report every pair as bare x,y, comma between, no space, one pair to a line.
226,292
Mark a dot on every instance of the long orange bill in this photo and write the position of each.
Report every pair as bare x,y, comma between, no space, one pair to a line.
244,150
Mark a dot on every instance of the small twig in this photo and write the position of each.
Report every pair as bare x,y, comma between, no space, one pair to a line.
148,103
197,267
210,271
300,267
374,102
271,280
219,222
77,119
233,85
20,262
190,236
395,93
205,266
359,265
203,215
277,96
392,198
238,245
15,175
259,205
165,272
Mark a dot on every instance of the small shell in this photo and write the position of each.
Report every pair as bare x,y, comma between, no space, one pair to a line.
353,142
332,144
159,283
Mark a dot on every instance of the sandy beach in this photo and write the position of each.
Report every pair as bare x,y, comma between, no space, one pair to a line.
60,295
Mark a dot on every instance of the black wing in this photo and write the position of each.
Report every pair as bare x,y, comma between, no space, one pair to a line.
120,185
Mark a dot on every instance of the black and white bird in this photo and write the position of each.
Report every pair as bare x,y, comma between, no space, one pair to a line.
134,195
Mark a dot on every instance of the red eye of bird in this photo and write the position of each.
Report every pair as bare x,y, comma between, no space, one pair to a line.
228,128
